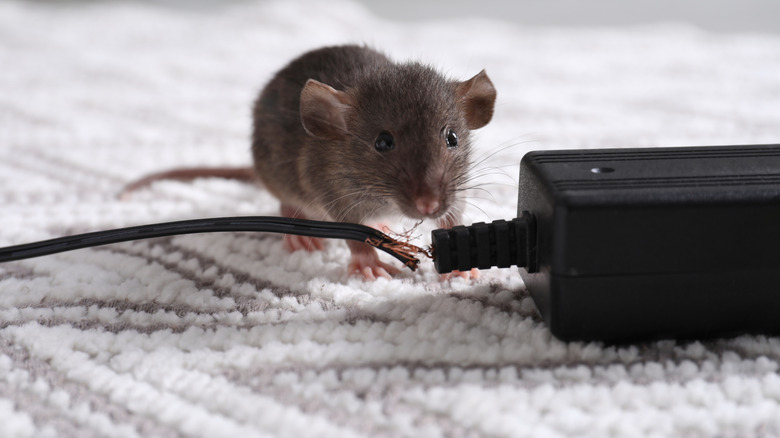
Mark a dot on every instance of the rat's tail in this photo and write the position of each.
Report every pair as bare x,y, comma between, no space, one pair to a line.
188,174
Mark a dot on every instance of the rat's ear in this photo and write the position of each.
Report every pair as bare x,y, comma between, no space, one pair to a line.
324,110
476,98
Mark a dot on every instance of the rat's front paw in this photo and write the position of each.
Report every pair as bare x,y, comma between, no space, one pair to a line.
473,274
365,262
294,243
372,270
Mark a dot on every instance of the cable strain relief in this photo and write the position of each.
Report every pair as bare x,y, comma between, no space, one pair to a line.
500,243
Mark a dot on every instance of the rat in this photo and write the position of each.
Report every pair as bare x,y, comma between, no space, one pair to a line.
343,133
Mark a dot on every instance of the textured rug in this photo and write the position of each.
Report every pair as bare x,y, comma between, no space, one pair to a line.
229,335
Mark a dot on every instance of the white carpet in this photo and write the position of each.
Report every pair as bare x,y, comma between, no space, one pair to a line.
229,335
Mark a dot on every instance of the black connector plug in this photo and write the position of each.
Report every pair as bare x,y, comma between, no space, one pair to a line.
500,243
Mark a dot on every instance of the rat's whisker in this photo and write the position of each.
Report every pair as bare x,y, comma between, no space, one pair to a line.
473,205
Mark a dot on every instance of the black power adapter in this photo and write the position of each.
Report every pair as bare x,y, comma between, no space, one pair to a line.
631,244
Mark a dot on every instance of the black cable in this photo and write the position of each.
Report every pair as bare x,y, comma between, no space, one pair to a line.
303,227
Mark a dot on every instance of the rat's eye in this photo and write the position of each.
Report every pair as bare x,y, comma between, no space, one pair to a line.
452,139
384,141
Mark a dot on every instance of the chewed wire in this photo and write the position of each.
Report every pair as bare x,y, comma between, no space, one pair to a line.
403,251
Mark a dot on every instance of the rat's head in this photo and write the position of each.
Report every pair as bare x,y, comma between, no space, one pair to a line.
402,133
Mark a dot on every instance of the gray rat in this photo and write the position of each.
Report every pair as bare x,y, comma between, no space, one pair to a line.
345,134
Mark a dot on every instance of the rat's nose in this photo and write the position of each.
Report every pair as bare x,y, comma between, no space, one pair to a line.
427,205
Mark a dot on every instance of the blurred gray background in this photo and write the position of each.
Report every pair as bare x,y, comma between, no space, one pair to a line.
760,16
716,15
